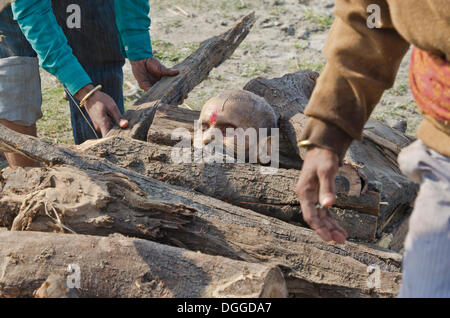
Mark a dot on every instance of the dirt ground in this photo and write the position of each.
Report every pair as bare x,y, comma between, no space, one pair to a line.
288,35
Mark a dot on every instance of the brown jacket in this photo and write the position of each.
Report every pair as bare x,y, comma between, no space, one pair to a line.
362,63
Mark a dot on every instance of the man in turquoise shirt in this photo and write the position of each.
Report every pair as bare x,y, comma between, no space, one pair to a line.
80,55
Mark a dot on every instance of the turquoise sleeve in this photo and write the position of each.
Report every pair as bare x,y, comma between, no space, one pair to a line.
38,24
133,23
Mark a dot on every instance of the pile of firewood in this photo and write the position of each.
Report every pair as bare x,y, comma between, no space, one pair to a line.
138,225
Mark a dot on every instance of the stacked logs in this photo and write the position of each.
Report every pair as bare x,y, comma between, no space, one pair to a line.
139,225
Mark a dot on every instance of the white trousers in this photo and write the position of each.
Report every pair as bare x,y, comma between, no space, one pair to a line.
426,262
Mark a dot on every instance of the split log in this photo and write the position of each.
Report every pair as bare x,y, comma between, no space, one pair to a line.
270,194
193,70
396,190
311,267
374,156
126,267
386,137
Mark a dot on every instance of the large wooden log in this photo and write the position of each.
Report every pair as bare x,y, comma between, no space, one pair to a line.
374,156
193,70
271,194
89,202
311,267
126,267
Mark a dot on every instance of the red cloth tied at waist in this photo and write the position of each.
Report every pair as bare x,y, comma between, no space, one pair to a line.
430,84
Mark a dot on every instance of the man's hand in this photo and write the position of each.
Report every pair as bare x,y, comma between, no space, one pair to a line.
316,186
101,109
148,71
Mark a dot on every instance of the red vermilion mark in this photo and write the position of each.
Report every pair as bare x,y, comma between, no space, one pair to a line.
213,117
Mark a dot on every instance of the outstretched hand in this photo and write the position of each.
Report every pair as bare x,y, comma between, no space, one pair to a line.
315,190
149,71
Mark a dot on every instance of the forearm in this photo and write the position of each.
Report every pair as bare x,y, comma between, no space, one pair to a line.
361,64
38,23
133,24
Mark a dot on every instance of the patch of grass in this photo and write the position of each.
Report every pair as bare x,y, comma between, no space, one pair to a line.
245,45
278,10
227,5
167,52
55,124
302,45
253,47
197,99
304,64
240,5
400,111
252,70
175,24
321,20
400,90
192,47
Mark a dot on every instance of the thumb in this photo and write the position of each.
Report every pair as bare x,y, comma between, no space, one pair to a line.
117,117
164,71
327,195
169,71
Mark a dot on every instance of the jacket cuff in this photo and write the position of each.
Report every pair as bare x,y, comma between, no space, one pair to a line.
137,46
328,136
73,76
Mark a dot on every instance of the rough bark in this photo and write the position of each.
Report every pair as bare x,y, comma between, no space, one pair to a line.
193,70
126,267
271,194
288,96
67,199
375,156
311,267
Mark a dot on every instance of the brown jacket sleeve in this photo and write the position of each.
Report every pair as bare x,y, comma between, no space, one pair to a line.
361,64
